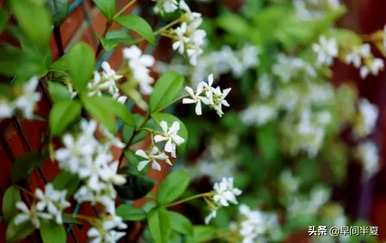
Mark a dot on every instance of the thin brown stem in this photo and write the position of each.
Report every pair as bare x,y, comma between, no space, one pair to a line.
127,6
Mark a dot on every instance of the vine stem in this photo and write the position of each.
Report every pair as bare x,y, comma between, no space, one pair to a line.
110,23
205,194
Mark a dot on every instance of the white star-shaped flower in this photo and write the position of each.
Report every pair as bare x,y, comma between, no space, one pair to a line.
170,137
153,157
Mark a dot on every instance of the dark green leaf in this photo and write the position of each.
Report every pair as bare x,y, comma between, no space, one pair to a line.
173,186
66,181
59,10
15,233
159,225
3,19
202,234
24,165
58,92
136,186
10,198
130,213
180,223
165,91
107,7
34,20
118,109
52,232
137,24
62,115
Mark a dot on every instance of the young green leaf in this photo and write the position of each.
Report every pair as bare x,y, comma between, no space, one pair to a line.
130,213
15,233
137,24
34,19
62,115
80,62
100,111
107,7
58,9
24,165
159,225
180,223
173,186
52,232
58,92
10,198
165,91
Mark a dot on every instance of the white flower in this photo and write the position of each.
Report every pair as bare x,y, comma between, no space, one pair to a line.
288,67
259,114
139,65
367,118
170,137
29,97
108,232
106,81
153,157
356,55
188,39
196,98
216,99
326,50
367,152
27,214
210,216
6,109
373,66
256,225
52,202
166,6
225,192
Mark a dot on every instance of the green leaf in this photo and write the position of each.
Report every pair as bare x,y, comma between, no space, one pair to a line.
10,198
24,165
137,24
159,225
58,92
100,111
34,19
52,232
15,233
173,186
118,109
130,213
66,181
169,118
165,91
115,37
107,7
80,62
3,19
202,234
58,9
62,115
136,186
180,223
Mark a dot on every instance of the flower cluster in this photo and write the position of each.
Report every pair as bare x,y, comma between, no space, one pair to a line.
107,230
188,38
288,68
210,96
169,136
362,58
224,193
256,225
49,205
106,82
368,153
24,103
326,50
139,65
92,161
165,6
307,10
